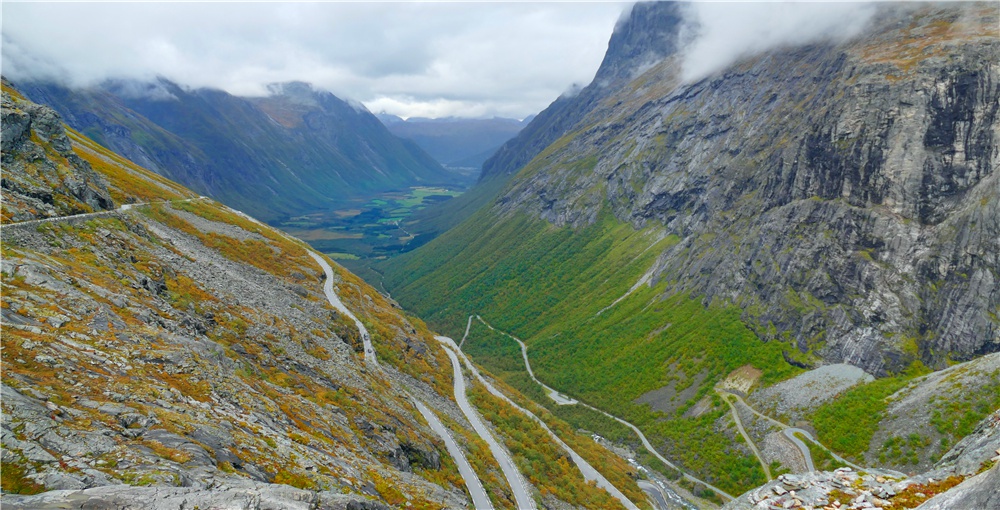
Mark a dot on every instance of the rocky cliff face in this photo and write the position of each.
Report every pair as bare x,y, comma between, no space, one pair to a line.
648,35
844,195
42,176
294,151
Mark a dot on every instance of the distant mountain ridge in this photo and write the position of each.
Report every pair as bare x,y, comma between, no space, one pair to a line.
294,151
456,142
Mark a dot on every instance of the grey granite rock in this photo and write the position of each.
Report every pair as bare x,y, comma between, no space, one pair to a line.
254,497
844,195
980,491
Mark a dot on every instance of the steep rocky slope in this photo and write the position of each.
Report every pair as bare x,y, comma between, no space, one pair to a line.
33,185
172,342
827,203
294,151
175,342
856,215
843,196
649,34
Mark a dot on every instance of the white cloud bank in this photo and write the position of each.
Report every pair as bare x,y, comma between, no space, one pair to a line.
431,59
408,59
723,32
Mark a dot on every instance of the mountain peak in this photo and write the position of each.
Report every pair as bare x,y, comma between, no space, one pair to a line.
299,92
649,33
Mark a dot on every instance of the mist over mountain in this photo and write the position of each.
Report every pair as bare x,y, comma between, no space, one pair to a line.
296,150
753,263
813,201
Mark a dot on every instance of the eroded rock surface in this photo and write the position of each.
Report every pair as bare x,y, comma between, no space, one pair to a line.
844,195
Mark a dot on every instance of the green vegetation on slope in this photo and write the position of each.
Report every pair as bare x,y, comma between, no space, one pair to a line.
538,457
848,423
957,417
549,285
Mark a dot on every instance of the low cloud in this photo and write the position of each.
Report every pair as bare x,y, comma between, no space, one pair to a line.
463,59
723,32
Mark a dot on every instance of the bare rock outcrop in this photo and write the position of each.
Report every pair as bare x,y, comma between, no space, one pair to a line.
42,176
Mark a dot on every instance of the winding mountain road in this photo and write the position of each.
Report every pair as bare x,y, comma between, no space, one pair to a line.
468,325
518,485
649,446
480,499
556,397
98,214
654,493
789,432
334,299
746,437
589,472
642,437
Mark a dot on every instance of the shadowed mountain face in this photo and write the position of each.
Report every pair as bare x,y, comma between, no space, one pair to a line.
842,196
295,151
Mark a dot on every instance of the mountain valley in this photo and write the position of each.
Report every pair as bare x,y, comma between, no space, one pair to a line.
295,151
775,285
160,348
808,206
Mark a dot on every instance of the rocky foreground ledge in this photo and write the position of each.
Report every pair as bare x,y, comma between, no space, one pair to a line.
845,489
254,497
966,478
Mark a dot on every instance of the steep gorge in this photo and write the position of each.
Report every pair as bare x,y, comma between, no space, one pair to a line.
814,204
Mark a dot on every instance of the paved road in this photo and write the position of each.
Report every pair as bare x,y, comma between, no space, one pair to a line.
468,325
518,485
662,497
366,339
646,443
589,472
817,443
479,498
654,494
790,434
797,442
649,447
96,214
557,397
750,443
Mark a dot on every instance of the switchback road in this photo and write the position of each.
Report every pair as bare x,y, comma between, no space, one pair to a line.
642,437
522,497
480,499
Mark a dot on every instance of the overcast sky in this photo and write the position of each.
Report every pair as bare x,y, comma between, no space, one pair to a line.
410,59
466,59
